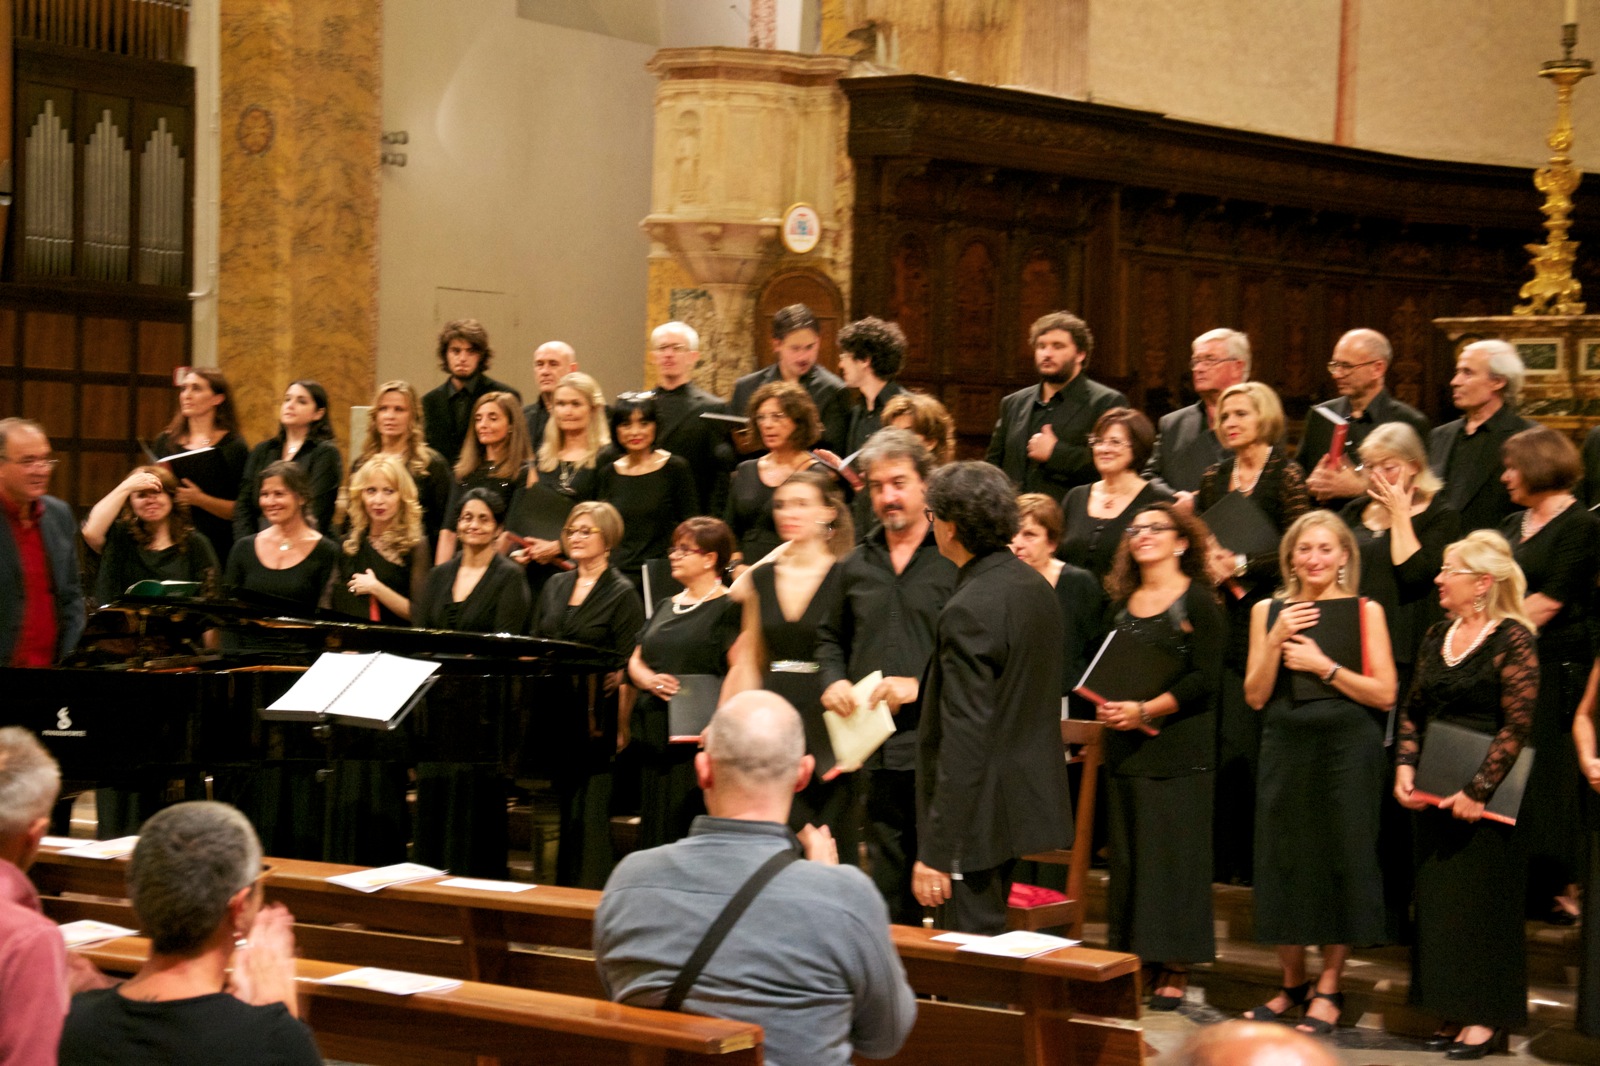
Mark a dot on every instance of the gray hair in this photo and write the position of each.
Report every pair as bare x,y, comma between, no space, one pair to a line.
1505,364
1238,344
190,861
1373,343
979,500
30,780
691,336
893,445
9,426
1400,441
756,738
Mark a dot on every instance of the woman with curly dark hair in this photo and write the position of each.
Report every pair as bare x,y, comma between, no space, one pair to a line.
928,419
143,533
786,422
1161,753
305,438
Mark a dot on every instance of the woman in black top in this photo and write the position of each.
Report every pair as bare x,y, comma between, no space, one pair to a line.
1159,753
590,604
786,421
689,633
576,439
1250,423
394,427
495,456
288,563
305,437
143,533
461,807
653,490
205,419
1556,542
1079,593
383,562
1480,671
1095,514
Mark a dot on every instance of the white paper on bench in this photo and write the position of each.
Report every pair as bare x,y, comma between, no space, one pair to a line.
394,982
484,885
401,873
88,931
57,842
1019,944
104,849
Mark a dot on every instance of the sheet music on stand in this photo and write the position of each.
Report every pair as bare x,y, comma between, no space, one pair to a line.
374,691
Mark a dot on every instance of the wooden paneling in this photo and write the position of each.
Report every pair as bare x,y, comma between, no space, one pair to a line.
105,412
978,209
54,405
107,345
49,341
162,346
8,337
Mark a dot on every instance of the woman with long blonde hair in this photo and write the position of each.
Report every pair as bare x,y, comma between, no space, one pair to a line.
383,561
394,427
575,435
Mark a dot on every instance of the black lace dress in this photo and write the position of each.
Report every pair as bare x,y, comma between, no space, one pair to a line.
1323,765
1159,792
1469,963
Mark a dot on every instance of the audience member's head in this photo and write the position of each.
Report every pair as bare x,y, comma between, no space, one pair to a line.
30,781
1242,1043
754,759
192,875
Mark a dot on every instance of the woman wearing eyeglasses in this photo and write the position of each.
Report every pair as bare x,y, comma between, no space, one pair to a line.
689,633
1160,753
1095,514
591,604
786,422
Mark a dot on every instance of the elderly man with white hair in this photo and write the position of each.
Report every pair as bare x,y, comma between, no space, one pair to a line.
1186,443
674,351
1465,453
810,962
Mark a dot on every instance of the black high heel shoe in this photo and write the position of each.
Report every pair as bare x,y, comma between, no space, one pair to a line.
1441,1040
1160,1002
1298,995
1316,1026
1499,1041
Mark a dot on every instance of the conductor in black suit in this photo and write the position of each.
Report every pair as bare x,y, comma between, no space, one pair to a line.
1186,442
796,343
1041,437
1465,453
1359,366
991,780
465,355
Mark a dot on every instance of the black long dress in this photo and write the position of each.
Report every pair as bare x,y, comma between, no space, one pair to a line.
696,641
1281,493
749,512
583,726
368,823
1560,561
461,805
1090,542
283,800
1470,963
123,562
1158,901
1317,878
792,673
651,506
220,479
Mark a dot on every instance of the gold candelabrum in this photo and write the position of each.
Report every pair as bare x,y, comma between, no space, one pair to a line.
1553,290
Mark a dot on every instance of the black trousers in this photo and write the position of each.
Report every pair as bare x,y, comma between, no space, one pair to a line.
892,840
978,901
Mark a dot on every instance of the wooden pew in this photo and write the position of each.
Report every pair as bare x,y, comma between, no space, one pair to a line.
1078,1005
478,1021
1070,912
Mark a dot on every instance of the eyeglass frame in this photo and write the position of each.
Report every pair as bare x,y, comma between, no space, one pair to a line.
1338,369
1137,530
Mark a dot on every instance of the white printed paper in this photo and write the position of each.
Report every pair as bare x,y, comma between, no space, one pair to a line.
394,982
88,931
104,849
401,873
481,884
858,736
1019,944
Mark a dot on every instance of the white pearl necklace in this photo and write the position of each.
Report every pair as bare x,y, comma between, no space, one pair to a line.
1238,483
680,607
1450,639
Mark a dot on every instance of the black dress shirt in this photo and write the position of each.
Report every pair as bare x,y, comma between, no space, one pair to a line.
447,412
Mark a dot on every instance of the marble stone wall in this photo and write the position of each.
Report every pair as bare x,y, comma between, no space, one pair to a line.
297,273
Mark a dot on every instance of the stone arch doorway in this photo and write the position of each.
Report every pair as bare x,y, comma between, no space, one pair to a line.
799,286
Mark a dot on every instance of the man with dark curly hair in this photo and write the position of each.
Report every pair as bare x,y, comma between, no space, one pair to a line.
991,782
465,355
870,353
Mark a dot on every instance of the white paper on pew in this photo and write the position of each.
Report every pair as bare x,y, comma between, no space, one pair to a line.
57,842
104,849
959,938
401,873
394,982
88,931
484,885
1019,944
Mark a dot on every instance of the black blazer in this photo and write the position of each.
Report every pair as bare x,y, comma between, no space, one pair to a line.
444,435
1318,432
320,463
1082,403
704,445
1186,446
827,390
611,617
991,782
1479,496
498,604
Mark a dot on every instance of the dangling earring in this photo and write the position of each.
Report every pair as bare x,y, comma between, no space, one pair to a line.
1479,603
1341,575
1178,552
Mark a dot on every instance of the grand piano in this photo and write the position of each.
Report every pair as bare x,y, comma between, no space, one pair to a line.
147,695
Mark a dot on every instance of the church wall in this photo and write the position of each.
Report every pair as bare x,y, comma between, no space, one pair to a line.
528,172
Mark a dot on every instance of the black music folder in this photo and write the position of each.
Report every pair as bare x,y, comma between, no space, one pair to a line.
1241,526
690,709
1338,633
374,690
195,465
538,511
1126,668
1451,756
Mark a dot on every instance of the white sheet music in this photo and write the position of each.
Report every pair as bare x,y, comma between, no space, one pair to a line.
374,686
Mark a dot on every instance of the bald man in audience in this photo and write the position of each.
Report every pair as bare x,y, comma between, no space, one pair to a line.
1240,1043
810,959
552,361
41,594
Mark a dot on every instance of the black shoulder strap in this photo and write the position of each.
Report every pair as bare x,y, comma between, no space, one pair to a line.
725,922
